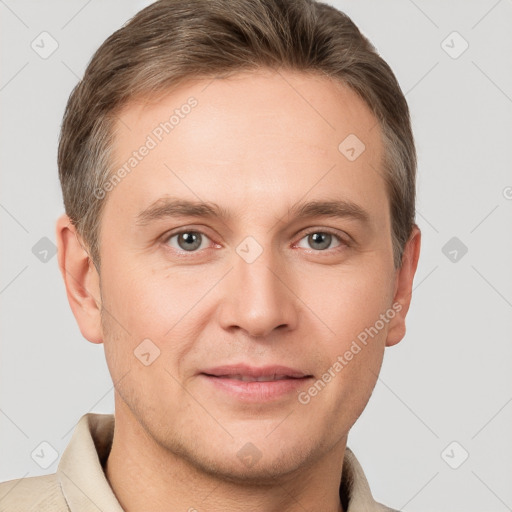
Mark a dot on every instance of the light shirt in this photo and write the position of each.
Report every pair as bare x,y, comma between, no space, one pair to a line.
80,484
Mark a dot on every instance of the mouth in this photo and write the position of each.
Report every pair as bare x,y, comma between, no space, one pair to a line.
248,378
256,384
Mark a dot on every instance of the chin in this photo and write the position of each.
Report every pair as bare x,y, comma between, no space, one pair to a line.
244,461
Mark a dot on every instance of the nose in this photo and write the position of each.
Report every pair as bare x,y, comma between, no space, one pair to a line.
257,298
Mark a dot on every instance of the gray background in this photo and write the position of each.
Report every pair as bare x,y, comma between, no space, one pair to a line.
448,380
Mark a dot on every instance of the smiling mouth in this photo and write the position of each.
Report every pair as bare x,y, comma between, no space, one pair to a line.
249,378
243,383
247,373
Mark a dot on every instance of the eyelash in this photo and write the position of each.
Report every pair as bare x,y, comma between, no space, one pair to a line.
182,253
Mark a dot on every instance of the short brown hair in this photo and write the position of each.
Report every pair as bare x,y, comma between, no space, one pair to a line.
171,41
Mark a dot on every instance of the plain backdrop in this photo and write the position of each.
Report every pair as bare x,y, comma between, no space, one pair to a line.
444,391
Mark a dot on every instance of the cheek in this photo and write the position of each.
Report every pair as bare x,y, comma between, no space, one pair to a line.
352,357
150,303
144,334
353,348
166,307
352,302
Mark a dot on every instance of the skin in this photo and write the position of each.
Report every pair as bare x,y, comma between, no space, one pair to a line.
256,144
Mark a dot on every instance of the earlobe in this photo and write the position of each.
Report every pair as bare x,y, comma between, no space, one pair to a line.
403,287
81,280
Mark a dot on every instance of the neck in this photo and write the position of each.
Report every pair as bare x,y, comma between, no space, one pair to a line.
146,476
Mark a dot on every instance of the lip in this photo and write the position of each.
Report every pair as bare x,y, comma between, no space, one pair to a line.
228,380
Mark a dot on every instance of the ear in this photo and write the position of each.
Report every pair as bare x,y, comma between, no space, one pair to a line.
81,280
403,287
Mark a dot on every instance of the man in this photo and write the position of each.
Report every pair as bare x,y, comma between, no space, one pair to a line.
239,185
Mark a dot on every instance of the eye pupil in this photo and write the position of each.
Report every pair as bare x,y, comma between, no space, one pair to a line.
192,240
324,239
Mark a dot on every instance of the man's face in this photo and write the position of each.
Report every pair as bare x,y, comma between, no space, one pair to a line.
233,296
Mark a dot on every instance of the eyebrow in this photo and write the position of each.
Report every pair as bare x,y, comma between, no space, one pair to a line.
168,207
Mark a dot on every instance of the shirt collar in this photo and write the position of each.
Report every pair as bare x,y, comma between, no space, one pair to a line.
86,489
80,471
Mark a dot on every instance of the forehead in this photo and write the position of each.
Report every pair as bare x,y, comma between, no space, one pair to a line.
266,138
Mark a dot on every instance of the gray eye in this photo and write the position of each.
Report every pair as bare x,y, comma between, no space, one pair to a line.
320,240
186,240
